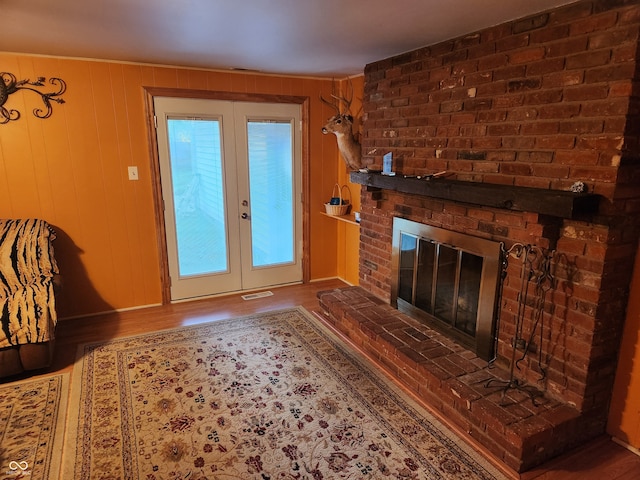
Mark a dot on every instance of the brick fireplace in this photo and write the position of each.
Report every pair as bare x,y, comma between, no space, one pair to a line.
518,114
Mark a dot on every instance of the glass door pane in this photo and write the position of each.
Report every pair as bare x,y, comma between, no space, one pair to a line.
446,283
426,271
469,293
270,158
198,195
406,268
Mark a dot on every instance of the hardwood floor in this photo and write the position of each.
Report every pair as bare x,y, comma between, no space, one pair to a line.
597,460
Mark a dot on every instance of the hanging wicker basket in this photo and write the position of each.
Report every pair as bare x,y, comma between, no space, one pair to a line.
341,208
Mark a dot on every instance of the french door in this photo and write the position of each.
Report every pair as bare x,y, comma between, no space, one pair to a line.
231,187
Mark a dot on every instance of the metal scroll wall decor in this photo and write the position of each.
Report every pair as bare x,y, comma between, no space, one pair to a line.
10,85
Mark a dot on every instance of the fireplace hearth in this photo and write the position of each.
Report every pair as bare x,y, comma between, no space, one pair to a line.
515,425
506,376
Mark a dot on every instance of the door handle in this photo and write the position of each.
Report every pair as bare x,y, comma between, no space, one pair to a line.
245,215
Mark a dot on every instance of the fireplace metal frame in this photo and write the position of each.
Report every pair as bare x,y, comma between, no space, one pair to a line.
483,342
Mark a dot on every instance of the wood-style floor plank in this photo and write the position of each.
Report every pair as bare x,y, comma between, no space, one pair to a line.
601,459
73,332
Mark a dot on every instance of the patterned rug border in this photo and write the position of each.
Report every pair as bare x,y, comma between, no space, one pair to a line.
55,452
431,423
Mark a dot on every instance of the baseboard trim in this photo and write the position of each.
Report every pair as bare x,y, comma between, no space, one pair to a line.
626,445
106,312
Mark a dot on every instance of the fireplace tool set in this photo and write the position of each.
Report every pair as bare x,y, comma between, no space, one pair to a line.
535,272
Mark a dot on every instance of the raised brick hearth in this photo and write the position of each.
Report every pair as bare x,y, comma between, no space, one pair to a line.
450,379
542,102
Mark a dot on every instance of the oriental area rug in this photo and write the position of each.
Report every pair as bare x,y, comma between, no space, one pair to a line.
32,421
269,396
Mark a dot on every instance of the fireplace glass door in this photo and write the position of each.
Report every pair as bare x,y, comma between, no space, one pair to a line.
447,280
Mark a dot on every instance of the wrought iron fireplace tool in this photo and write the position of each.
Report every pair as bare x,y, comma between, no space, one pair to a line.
544,283
530,256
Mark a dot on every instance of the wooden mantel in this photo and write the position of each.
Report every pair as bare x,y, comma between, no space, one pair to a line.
556,203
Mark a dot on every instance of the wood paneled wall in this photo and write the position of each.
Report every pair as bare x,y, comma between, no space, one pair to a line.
624,415
71,170
348,233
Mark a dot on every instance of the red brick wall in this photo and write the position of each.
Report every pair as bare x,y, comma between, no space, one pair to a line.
542,102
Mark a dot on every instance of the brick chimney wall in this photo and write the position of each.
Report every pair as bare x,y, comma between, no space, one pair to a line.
544,101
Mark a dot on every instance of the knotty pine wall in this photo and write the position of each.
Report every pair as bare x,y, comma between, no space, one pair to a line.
71,170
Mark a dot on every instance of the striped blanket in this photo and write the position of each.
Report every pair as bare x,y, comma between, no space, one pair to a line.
27,268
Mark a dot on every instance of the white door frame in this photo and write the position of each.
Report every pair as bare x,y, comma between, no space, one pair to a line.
151,92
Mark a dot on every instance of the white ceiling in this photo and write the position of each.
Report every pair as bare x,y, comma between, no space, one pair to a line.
294,37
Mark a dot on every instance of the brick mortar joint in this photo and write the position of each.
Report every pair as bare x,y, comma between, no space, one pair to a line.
472,388
533,438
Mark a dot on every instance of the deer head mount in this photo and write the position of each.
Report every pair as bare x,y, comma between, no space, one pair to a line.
341,125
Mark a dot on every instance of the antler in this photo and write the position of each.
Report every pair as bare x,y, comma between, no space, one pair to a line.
340,98
345,101
332,105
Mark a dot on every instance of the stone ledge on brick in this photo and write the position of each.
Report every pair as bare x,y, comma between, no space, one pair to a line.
453,381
